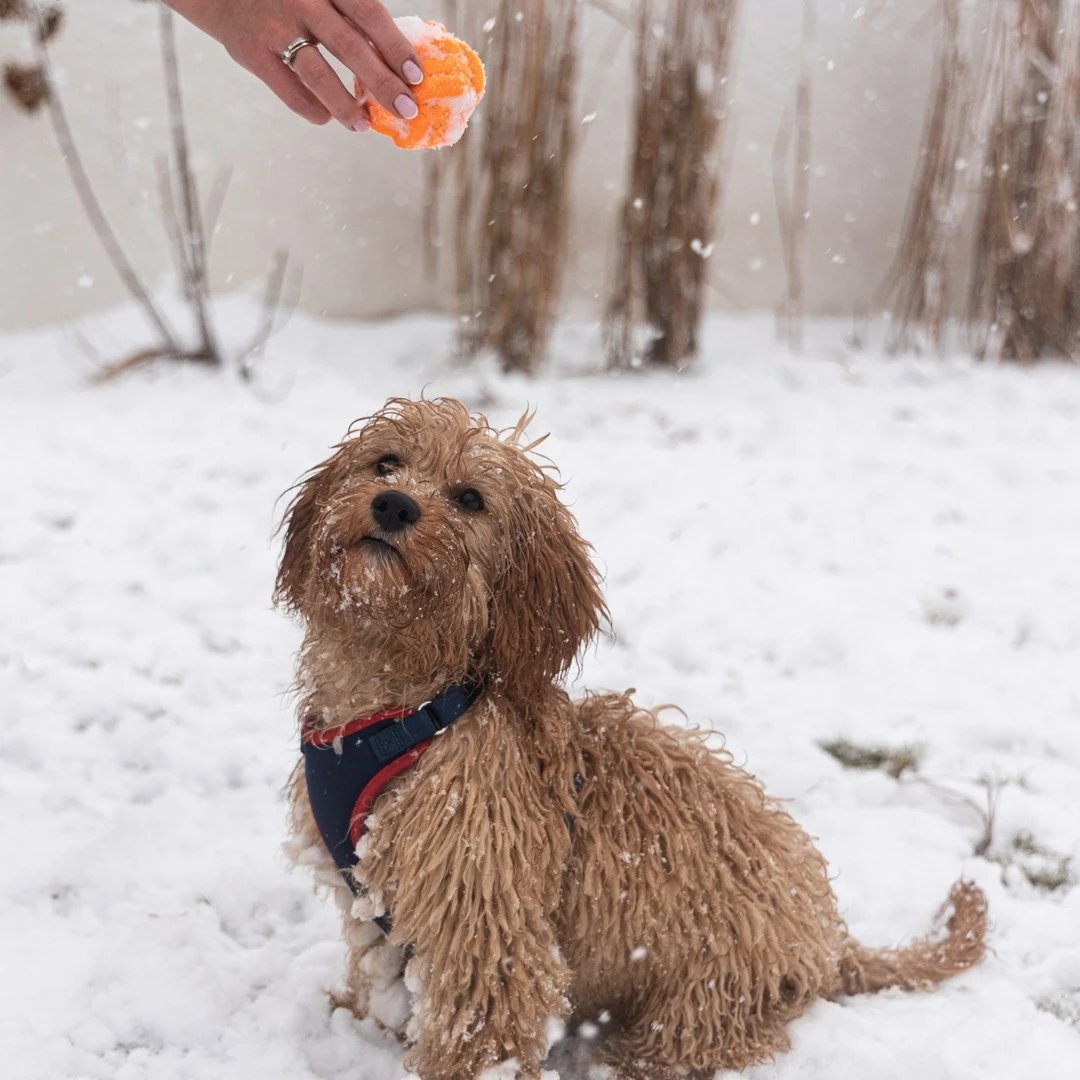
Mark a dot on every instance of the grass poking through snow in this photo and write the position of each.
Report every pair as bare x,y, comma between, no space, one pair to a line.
892,760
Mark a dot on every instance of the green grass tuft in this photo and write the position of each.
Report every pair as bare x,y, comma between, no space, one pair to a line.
893,760
1042,868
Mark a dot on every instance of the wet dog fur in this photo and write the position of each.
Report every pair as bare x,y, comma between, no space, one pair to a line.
547,857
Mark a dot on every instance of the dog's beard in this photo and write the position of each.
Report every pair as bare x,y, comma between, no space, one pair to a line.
370,577
378,581
416,598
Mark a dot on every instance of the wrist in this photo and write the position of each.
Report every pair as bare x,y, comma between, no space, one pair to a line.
204,14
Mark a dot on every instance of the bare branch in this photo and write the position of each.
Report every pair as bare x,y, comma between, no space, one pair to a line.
986,812
275,286
170,221
99,222
193,241
792,203
214,203
136,360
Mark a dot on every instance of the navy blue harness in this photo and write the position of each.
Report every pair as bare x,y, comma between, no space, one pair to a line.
348,767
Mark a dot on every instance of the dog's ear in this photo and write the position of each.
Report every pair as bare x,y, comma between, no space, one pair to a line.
294,570
547,602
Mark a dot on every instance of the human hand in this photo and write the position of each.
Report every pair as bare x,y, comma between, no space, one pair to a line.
360,33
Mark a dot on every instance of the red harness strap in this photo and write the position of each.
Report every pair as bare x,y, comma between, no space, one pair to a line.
348,767
375,786
326,736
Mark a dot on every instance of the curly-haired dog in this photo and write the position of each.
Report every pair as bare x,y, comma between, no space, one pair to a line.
538,857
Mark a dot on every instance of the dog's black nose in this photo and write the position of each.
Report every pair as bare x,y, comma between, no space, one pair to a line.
394,511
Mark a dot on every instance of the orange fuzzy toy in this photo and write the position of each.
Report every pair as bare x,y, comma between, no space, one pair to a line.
452,88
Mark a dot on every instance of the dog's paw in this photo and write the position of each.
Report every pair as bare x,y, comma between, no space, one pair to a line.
390,1006
342,999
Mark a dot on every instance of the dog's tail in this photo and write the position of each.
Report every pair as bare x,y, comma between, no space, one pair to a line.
956,944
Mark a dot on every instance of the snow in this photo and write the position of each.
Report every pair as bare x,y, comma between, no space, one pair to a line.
417,30
796,549
421,33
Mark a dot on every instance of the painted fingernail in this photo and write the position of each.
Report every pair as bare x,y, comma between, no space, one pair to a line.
406,107
411,70
363,124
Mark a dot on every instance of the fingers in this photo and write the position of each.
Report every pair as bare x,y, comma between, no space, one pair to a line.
290,89
379,27
312,69
352,48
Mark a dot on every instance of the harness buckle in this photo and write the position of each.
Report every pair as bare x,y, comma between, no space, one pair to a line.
433,715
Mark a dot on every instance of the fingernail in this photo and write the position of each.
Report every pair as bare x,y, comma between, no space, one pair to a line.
406,107
363,124
411,70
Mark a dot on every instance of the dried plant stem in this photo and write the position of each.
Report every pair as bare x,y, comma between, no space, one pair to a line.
214,203
916,290
668,216
272,297
986,813
185,224
508,179
191,249
1024,300
138,359
1002,131
793,201
87,195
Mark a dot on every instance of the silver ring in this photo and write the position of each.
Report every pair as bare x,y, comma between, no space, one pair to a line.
288,54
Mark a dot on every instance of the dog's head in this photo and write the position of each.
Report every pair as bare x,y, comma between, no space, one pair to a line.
442,540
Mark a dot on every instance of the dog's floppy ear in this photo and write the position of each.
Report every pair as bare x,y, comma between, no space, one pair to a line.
547,602
294,570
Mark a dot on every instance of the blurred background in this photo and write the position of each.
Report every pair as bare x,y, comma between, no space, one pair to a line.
350,210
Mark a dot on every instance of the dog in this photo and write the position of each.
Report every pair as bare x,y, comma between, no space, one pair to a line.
518,856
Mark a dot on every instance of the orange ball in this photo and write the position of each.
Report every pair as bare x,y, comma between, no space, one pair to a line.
452,88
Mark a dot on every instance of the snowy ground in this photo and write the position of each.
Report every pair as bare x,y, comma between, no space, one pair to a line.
779,536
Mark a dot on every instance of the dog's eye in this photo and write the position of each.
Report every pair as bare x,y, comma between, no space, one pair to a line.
470,499
387,464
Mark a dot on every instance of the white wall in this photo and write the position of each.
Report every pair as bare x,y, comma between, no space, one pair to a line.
348,206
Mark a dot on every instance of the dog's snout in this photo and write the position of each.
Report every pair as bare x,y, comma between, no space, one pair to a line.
394,511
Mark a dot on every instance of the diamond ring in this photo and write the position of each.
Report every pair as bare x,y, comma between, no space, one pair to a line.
288,54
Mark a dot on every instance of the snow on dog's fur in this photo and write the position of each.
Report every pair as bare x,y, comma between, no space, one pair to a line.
546,857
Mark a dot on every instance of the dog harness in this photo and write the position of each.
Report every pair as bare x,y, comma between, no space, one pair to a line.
348,767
